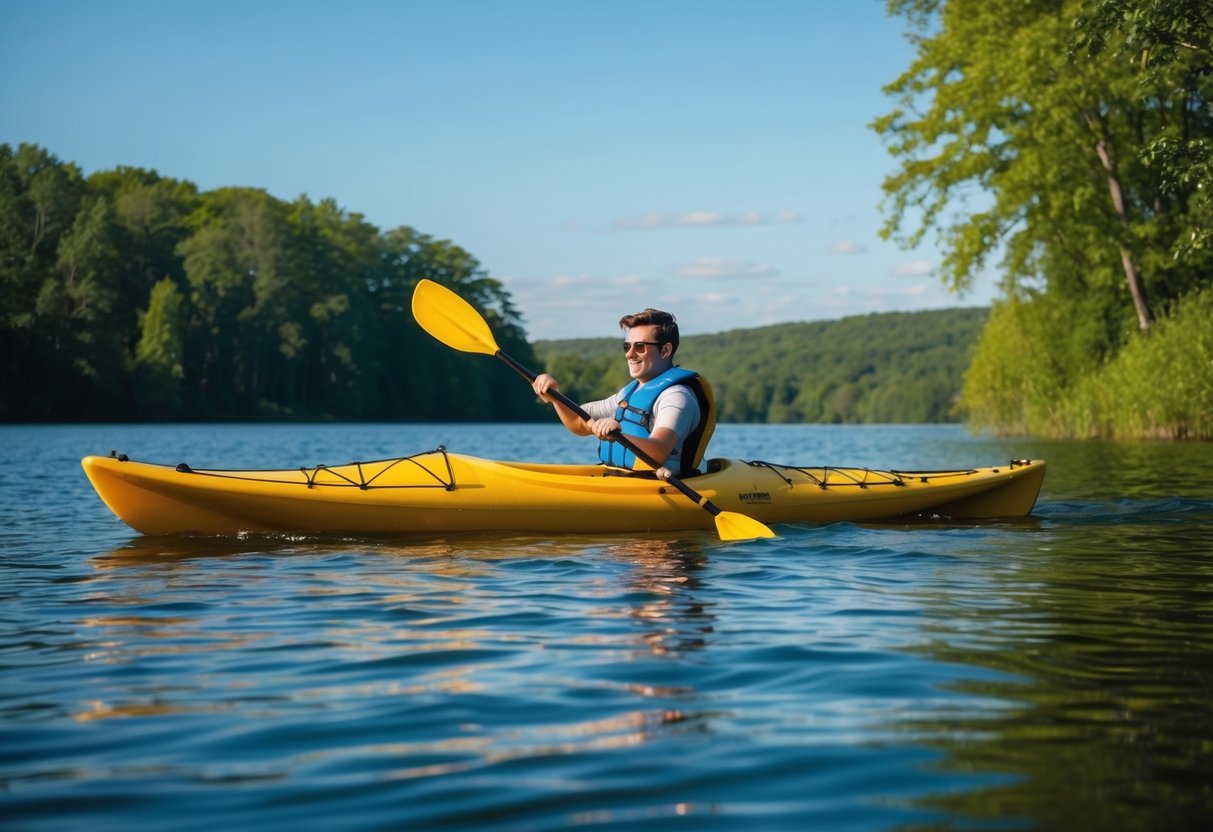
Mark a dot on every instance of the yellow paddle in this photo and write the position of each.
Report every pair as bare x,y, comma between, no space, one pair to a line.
456,323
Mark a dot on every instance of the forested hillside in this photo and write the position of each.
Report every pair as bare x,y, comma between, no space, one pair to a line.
130,296
899,367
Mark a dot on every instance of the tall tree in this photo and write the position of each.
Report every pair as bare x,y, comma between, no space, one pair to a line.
335,264
160,353
1075,138
1171,44
237,267
39,200
1013,141
149,214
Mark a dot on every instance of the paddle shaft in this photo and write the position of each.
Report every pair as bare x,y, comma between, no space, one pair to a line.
618,436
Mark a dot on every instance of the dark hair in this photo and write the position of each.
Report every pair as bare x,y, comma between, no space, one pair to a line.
667,326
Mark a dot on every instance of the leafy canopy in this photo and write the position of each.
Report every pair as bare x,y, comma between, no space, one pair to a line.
1068,143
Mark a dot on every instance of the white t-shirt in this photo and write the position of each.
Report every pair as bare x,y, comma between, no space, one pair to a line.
676,408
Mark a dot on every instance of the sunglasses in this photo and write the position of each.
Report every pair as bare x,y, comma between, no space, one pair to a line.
640,346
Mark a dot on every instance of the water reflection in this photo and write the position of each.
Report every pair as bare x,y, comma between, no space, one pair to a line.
662,583
662,574
1123,470
278,624
1099,645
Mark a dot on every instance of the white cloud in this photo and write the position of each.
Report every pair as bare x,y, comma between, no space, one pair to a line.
722,268
846,247
695,218
914,268
702,219
626,280
561,281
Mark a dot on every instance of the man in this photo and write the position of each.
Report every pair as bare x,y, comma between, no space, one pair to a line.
666,411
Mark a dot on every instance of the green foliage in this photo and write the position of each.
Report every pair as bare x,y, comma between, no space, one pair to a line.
1129,397
584,379
1030,376
1073,139
132,296
160,353
1170,44
900,367
1018,377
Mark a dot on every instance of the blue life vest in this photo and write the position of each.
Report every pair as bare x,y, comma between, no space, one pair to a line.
635,414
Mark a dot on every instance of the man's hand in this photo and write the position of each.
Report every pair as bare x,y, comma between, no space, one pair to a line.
603,428
544,384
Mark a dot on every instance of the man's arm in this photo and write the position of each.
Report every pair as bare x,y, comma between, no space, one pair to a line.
602,413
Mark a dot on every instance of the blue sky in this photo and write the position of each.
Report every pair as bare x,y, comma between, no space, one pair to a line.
709,158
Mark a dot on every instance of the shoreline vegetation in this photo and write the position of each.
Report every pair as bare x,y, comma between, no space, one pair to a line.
880,368
1085,129
130,297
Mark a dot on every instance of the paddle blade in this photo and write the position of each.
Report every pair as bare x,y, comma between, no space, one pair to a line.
451,319
733,526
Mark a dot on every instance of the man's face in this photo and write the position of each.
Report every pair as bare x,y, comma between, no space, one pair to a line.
646,359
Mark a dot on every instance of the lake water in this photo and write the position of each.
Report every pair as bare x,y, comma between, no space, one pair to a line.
1053,673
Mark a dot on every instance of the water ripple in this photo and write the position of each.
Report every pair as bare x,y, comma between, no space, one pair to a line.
1047,673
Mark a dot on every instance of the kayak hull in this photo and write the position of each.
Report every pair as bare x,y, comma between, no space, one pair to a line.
440,492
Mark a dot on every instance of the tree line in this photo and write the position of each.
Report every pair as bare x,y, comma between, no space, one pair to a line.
129,296
891,368
125,295
1070,144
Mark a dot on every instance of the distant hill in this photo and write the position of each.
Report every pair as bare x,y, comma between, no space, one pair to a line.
891,367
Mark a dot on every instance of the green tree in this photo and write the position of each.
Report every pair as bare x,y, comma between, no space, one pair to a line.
236,264
149,215
331,352
160,353
1170,43
40,198
997,103
1023,131
72,314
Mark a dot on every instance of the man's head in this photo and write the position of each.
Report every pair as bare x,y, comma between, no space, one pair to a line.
650,340
667,326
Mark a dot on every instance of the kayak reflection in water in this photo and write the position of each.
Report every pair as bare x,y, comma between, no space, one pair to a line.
666,411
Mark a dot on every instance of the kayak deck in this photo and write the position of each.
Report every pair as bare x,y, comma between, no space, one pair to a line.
439,491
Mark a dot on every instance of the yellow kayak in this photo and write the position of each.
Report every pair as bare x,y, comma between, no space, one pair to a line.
438,492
